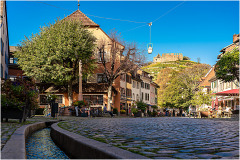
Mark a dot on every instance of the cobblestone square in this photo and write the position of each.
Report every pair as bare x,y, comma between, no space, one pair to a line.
164,137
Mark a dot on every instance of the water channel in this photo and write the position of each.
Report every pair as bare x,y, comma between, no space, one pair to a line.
40,146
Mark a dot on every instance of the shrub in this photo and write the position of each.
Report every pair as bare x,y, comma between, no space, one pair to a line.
142,106
19,93
123,111
134,110
80,103
115,111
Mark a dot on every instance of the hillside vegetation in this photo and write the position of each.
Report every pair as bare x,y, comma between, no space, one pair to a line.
155,68
177,81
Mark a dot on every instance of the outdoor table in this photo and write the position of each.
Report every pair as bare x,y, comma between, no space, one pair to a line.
226,114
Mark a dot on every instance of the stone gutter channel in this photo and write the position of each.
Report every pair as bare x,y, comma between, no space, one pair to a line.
74,145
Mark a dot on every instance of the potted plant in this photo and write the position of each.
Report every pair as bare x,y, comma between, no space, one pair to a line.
123,112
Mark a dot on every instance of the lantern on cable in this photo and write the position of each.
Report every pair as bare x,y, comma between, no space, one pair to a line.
150,45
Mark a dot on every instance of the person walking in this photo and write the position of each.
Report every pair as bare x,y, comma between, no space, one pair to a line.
76,109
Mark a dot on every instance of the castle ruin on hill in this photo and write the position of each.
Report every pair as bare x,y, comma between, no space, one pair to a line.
166,57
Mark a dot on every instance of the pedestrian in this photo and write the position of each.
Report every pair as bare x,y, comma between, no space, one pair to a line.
76,109
173,112
180,112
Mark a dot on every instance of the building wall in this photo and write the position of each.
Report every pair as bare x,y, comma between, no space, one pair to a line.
152,95
4,41
166,57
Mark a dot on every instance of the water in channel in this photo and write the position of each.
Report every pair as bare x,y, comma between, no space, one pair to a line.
40,146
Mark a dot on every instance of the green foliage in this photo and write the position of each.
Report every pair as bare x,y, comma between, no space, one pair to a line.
7,103
201,97
134,110
80,103
115,111
179,93
186,58
154,107
227,68
19,93
51,97
141,105
123,111
53,54
155,68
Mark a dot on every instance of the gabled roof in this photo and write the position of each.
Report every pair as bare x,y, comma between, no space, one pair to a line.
205,80
78,15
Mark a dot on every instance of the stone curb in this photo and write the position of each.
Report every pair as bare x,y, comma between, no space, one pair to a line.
15,147
80,147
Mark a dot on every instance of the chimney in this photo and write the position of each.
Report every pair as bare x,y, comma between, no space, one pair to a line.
235,37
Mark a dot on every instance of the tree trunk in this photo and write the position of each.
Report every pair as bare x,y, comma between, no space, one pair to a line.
70,93
109,97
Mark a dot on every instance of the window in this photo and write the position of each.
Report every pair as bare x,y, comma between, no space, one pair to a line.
101,78
142,96
137,85
122,91
94,99
122,77
134,84
106,56
43,100
59,99
142,84
146,96
128,79
147,86
129,93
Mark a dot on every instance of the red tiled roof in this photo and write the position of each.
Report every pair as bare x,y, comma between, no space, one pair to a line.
229,92
78,15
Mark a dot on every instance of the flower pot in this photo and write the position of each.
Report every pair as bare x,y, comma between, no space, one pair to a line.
204,113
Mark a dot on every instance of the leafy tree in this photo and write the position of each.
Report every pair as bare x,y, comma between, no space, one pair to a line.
180,91
163,80
54,53
186,58
141,105
227,68
200,97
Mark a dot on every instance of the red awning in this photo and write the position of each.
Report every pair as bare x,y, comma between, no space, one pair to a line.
233,92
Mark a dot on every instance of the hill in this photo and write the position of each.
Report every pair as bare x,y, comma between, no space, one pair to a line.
155,68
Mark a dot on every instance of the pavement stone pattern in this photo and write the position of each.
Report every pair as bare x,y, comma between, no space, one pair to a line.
163,137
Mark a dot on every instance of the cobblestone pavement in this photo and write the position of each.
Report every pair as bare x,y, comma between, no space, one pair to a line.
163,137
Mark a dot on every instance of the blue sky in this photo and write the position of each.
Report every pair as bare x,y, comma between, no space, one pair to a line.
195,28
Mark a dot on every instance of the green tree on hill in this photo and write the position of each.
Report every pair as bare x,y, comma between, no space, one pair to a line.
54,53
180,91
186,58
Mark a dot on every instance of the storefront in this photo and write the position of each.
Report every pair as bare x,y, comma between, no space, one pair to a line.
229,98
